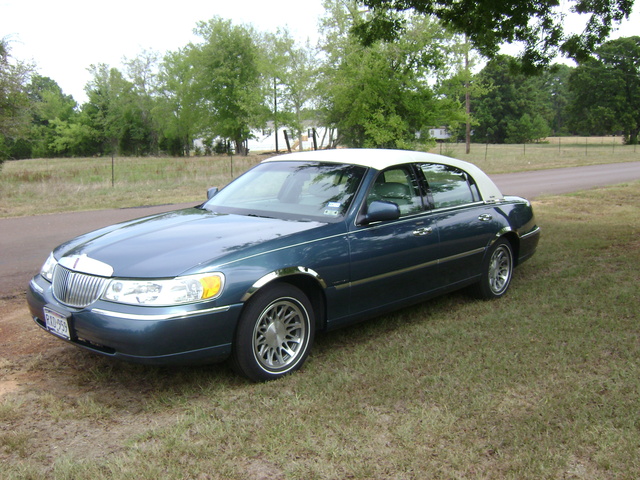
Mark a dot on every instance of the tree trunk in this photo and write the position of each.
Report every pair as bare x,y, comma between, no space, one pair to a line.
240,148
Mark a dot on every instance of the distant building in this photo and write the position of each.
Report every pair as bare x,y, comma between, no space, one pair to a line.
265,140
440,134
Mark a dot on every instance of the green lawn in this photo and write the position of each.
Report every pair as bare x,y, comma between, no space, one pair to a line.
542,383
30,187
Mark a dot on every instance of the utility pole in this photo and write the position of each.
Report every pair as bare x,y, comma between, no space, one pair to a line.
467,95
275,110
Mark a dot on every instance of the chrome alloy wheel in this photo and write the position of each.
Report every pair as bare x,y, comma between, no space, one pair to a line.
500,268
280,335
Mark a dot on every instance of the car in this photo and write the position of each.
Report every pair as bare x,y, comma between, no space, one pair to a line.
300,243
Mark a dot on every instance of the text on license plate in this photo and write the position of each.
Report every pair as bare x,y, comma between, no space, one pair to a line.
56,323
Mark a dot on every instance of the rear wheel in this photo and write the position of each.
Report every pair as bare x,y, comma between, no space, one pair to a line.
497,270
274,334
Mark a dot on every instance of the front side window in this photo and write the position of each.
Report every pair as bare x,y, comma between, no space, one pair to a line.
449,186
291,191
397,185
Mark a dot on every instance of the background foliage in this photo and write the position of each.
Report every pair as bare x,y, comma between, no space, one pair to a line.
380,93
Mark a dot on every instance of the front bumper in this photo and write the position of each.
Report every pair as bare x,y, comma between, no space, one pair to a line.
188,334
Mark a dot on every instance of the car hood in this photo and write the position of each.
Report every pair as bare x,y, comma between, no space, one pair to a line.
173,243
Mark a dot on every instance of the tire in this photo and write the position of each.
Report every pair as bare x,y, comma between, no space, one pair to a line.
497,270
275,333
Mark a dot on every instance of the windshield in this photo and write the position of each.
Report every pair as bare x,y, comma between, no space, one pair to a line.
291,190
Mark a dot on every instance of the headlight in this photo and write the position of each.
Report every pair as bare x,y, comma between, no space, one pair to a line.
176,291
49,266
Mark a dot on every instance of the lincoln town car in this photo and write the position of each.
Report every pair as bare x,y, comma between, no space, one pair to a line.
299,244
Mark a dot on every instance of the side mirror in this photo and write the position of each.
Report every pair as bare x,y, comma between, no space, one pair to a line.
379,211
212,192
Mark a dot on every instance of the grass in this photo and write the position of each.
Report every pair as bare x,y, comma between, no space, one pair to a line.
542,383
40,186
556,152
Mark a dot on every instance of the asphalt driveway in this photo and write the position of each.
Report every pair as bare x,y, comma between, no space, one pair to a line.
26,241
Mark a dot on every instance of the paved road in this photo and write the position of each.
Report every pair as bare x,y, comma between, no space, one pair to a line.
25,242
565,180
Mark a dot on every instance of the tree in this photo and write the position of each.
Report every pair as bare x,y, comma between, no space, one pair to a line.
538,24
516,108
556,82
526,129
114,109
142,72
379,95
606,90
293,71
14,101
49,108
178,110
229,81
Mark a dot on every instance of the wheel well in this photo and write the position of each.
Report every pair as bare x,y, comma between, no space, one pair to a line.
312,290
513,239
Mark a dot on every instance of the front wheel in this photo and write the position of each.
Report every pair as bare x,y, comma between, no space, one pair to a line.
497,270
275,333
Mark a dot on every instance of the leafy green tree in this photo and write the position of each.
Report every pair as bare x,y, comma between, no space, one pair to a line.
101,111
75,137
142,72
379,95
114,110
556,83
178,110
229,81
14,101
538,24
49,107
516,108
294,71
527,129
606,90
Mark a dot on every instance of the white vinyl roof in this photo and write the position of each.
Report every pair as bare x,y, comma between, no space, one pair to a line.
381,159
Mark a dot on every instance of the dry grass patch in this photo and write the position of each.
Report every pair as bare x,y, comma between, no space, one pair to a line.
540,384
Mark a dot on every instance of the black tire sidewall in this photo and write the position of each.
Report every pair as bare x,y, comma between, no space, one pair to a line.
243,359
484,289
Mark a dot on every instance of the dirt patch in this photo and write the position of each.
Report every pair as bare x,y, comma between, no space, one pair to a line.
57,400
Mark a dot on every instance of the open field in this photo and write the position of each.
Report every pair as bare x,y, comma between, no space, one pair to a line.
541,384
29,187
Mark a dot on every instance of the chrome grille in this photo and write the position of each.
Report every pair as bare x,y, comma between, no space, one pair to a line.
76,289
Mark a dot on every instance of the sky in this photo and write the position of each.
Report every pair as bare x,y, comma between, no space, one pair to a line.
63,38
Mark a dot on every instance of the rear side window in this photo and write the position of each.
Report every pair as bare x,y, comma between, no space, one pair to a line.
449,186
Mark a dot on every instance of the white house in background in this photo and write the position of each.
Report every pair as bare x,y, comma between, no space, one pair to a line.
439,133
265,140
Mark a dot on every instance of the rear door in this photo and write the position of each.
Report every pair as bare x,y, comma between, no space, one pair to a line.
465,223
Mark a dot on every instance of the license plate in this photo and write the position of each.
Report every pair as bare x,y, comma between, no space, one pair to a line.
56,323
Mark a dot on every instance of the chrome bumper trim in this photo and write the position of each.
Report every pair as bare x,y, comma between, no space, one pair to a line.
535,231
167,316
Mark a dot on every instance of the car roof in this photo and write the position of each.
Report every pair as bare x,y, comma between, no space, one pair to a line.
381,159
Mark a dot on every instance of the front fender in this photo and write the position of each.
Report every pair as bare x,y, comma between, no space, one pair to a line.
282,273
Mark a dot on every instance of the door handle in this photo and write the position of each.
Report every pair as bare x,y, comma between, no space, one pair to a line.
485,217
422,232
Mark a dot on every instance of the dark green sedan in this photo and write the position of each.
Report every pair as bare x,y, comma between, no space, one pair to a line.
301,243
